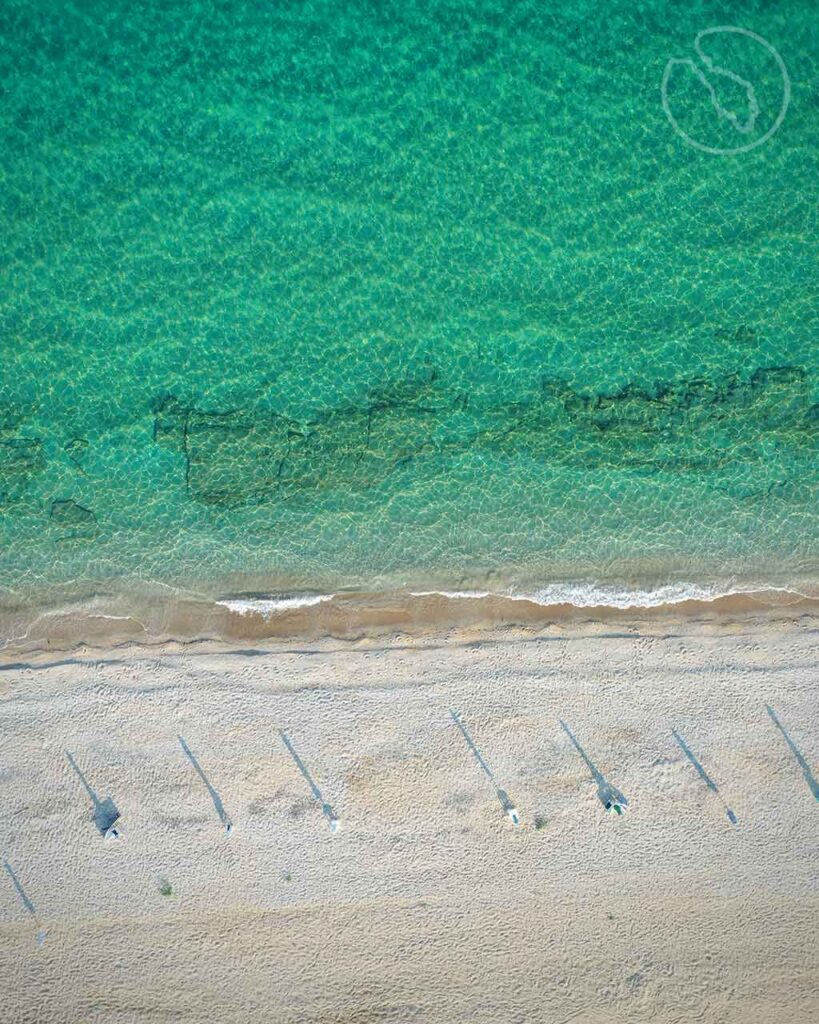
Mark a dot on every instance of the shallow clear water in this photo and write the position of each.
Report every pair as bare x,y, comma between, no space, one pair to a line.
364,293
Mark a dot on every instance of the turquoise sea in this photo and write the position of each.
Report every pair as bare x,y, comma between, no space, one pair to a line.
370,294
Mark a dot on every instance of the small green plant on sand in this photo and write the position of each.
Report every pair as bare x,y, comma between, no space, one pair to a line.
165,887
540,822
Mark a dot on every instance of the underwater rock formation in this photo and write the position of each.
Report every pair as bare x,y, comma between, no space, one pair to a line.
20,460
248,455
68,512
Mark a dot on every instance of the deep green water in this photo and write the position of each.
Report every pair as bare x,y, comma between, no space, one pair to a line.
399,291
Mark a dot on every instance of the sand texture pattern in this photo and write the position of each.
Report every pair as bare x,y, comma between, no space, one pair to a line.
428,904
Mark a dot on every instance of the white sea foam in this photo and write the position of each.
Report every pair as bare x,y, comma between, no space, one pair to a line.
580,595
267,606
115,618
596,595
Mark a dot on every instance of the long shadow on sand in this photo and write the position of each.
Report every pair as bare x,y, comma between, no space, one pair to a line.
217,800
609,796
502,795
703,774
104,813
21,892
327,810
25,900
813,785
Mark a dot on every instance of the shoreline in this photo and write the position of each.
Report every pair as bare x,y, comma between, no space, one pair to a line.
158,615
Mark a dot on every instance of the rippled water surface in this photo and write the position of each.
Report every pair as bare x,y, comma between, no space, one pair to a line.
366,292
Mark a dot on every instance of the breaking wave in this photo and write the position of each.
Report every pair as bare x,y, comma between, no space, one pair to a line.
595,595
271,605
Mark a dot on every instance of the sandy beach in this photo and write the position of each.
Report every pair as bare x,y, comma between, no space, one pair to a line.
428,904
409,536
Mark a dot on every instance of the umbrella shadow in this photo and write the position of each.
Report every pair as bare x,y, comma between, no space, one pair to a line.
26,901
104,813
703,774
810,778
503,797
609,795
327,810
217,800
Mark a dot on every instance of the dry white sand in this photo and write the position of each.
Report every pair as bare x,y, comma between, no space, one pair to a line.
428,905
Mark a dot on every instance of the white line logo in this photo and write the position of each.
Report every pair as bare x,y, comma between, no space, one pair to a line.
745,127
